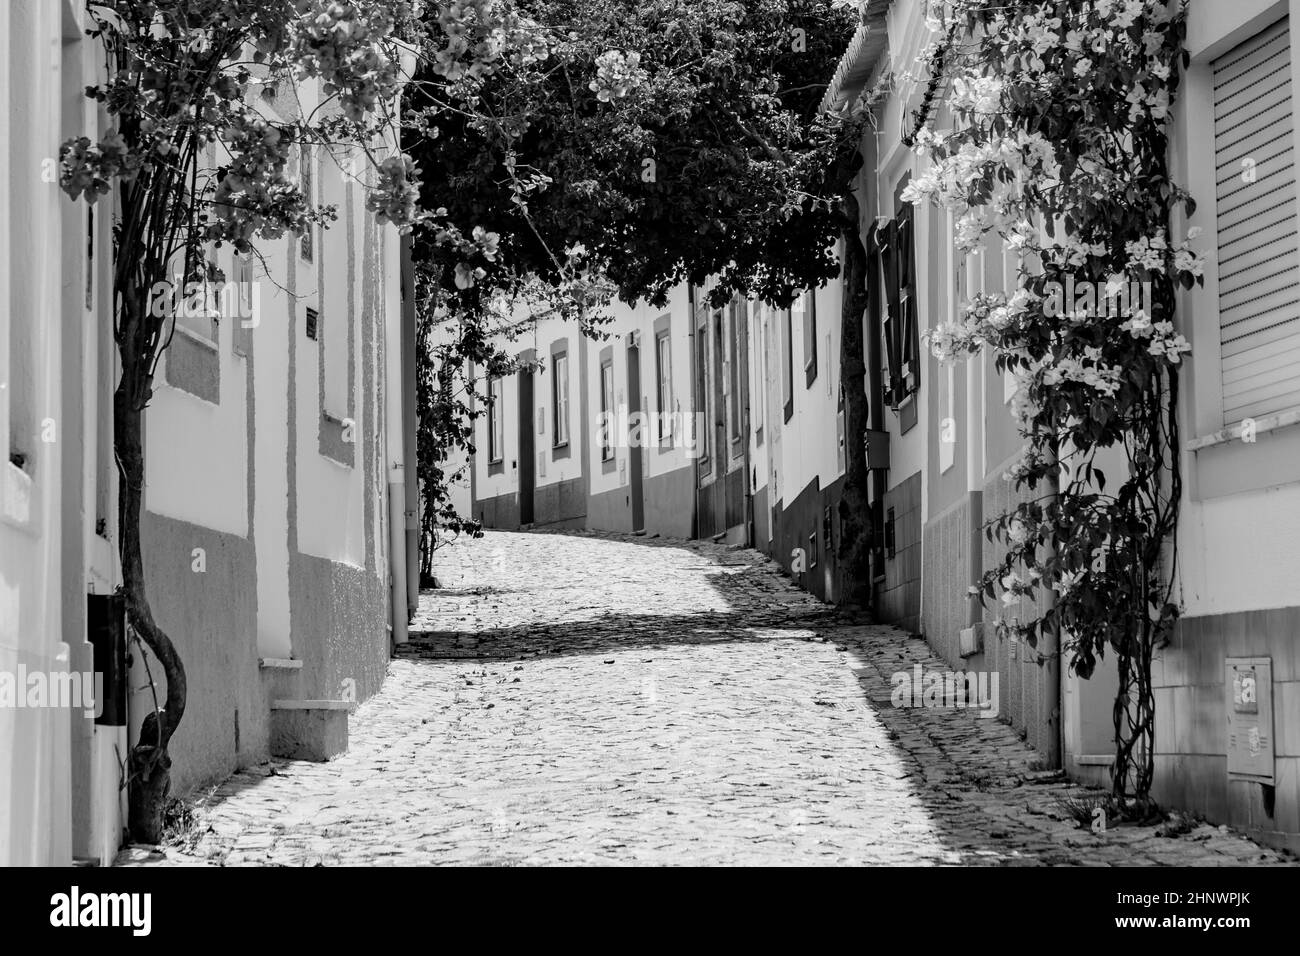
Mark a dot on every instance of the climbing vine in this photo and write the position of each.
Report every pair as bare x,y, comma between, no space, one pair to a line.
1058,148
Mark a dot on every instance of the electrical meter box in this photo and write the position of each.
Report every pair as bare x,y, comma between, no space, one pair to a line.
1248,684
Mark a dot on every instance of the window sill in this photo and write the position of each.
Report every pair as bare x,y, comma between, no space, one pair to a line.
1223,464
197,338
1269,423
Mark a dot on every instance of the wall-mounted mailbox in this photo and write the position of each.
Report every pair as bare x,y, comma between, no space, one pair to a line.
1248,685
877,449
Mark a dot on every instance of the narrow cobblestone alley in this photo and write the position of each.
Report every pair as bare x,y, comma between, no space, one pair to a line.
576,699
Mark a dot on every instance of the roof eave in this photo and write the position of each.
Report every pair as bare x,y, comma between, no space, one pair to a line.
869,43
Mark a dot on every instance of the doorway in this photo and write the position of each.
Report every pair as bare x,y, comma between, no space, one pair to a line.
527,446
638,432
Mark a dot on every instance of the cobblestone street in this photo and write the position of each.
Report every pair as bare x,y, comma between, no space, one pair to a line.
577,699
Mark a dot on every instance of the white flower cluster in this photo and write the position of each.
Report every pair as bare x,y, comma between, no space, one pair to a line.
1015,587
984,320
617,74
1027,460
973,92
1007,162
1087,369
1155,254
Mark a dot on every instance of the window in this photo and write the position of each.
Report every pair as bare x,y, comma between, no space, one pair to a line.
496,427
306,181
812,550
1259,262
664,374
607,411
702,395
787,370
806,308
902,341
560,399
889,533
313,325
197,302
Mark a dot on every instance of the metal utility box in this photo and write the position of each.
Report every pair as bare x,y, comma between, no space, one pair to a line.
1248,685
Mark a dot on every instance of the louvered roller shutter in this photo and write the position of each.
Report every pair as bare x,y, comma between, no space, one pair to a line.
1259,263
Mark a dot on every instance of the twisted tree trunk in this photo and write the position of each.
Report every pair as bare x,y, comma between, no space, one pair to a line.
149,763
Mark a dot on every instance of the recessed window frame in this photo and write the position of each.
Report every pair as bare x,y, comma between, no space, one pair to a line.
808,323
560,399
607,412
664,382
496,424
703,441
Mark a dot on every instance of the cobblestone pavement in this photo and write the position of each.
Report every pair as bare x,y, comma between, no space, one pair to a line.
603,699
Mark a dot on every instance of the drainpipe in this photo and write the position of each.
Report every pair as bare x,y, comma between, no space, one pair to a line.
393,439
410,421
395,351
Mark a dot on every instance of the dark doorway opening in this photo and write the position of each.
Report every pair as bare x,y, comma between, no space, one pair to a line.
527,446
638,432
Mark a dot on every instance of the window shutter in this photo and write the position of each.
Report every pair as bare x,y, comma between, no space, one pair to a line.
1259,263
892,317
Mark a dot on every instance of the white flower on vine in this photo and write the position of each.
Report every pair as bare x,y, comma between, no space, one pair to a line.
1185,260
1067,581
1138,325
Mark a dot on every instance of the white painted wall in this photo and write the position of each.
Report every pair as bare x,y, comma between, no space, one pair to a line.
331,495
196,469
35,772
640,318
808,446
544,334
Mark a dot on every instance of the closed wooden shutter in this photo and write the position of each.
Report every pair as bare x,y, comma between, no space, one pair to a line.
1259,263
